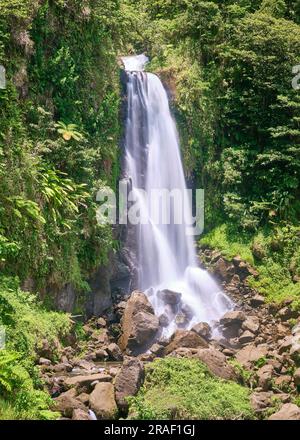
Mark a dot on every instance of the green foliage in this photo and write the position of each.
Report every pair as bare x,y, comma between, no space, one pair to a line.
184,388
275,253
59,130
26,325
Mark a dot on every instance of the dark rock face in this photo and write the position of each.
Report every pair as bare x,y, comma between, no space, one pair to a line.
128,381
139,323
65,299
100,298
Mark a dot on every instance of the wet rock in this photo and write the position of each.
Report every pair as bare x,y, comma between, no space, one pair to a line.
114,352
250,354
163,320
128,381
202,329
102,401
185,338
170,297
216,363
80,414
257,301
181,320
288,411
139,323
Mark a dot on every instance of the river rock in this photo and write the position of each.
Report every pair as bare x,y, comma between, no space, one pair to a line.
80,414
185,338
170,297
82,380
102,401
139,323
128,381
288,411
216,363
202,329
114,352
66,403
101,354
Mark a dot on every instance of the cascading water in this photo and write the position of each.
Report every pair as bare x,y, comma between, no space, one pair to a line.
165,253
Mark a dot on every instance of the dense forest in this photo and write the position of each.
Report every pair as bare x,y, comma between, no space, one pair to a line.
230,71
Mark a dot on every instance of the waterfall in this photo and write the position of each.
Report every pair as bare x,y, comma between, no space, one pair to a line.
165,253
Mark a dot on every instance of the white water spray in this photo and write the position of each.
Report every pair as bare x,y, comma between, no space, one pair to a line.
166,254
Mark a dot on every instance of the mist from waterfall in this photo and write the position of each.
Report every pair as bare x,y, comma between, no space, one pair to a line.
165,253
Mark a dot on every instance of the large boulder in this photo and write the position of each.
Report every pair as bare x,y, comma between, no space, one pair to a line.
233,317
66,403
216,363
102,401
202,329
128,381
185,338
288,411
139,323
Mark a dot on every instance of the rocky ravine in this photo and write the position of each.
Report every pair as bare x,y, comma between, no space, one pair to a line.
259,348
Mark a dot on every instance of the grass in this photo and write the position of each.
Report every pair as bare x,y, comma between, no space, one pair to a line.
185,389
